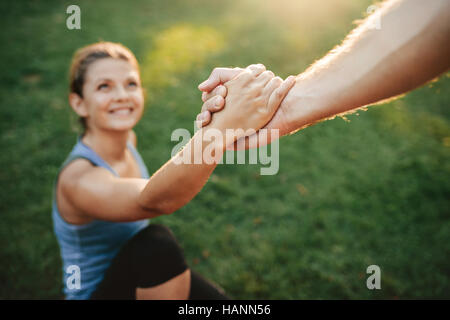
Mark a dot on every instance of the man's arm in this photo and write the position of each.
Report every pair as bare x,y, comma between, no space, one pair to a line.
372,65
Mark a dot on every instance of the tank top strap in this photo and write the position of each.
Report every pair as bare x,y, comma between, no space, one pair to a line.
81,150
142,167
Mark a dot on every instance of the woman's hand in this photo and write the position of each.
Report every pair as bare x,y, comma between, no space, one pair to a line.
213,103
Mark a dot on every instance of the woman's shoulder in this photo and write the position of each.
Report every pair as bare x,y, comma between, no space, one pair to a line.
78,180
68,180
78,171
74,170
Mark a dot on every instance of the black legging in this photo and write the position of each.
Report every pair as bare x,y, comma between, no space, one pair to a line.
152,257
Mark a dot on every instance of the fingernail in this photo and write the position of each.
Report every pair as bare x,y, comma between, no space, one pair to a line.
203,115
202,84
217,101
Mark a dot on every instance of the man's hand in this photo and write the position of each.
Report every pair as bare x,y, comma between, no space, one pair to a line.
252,98
370,66
213,89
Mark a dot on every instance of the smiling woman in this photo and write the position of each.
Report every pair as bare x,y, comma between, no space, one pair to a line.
100,79
111,93
106,93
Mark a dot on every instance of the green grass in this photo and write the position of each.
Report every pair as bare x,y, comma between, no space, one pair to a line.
374,190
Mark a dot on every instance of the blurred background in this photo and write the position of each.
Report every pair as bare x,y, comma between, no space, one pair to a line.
372,188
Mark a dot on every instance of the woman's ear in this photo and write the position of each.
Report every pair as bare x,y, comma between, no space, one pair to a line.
77,104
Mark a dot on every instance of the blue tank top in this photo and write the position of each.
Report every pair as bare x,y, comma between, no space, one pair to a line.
87,250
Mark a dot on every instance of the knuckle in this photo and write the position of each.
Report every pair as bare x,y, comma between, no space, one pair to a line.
278,81
268,73
263,110
260,102
279,94
256,91
261,66
218,100
211,100
216,72
274,84
230,84
207,97
207,104
247,75
221,90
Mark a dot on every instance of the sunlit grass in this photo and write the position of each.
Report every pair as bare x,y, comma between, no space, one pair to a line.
177,50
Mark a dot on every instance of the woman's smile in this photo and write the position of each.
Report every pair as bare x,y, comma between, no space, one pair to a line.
121,111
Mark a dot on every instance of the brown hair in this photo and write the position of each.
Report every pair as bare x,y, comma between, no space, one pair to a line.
87,55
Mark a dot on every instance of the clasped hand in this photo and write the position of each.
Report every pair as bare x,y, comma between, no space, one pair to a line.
247,98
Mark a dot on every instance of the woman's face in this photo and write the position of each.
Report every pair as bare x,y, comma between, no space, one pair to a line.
112,95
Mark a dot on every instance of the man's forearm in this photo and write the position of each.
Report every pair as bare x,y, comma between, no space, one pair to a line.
411,48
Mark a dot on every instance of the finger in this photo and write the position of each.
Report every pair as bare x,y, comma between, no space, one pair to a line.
241,79
248,75
220,90
256,69
255,140
203,119
218,76
214,104
278,94
267,91
265,77
244,143
271,86
264,136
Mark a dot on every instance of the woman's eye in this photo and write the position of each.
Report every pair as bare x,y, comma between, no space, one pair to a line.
103,86
133,84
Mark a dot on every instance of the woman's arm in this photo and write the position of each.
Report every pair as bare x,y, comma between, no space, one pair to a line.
252,99
98,194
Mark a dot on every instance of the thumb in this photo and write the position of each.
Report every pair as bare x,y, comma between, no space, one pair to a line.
244,143
259,139
218,76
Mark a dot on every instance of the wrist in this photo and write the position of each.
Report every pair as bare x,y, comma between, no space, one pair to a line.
213,141
223,133
307,102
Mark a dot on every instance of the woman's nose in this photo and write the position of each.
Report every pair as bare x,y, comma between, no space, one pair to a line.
121,93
